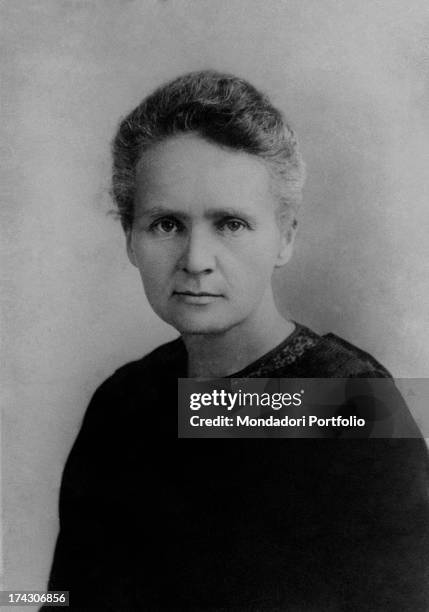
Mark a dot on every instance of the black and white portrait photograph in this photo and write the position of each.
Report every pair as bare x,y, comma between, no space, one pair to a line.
214,305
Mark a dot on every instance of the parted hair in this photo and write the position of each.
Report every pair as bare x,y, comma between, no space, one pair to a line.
221,108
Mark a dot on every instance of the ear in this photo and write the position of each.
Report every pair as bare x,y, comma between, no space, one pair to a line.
288,233
130,250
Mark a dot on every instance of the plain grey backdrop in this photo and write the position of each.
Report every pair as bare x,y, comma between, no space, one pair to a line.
353,79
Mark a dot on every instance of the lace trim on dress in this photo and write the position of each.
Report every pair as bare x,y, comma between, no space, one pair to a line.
288,351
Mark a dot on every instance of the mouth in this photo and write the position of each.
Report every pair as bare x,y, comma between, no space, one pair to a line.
196,298
197,293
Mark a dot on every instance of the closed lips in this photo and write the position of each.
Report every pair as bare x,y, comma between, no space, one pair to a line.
198,294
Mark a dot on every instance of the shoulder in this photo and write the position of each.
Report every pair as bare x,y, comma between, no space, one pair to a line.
135,380
333,356
168,355
120,403
163,360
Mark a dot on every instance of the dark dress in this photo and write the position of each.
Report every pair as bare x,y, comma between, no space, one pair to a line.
152,522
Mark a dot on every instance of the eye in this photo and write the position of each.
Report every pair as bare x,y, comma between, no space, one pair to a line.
233,225
166,226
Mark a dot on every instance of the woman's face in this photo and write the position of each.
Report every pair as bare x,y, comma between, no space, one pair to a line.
206,235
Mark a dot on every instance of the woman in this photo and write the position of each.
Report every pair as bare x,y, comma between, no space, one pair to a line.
207,180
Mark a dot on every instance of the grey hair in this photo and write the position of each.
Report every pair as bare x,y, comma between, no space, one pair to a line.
221,108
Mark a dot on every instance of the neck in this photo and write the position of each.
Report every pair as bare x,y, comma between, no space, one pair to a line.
219,355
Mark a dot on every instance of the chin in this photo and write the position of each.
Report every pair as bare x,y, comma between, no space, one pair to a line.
200,329
191,325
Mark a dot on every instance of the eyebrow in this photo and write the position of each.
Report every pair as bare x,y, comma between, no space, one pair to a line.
211,213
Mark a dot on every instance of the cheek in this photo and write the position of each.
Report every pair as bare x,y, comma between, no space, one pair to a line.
151,270
260,255
251,275
155,259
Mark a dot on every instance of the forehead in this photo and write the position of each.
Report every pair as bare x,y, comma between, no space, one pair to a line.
187,170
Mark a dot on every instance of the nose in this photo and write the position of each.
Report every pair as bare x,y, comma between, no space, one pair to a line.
198,256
